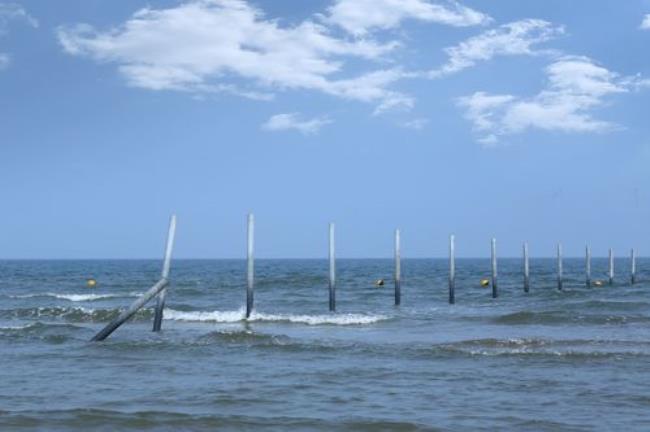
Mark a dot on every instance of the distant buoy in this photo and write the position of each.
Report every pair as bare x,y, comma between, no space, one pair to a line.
91,283
598,283
379,282
485,282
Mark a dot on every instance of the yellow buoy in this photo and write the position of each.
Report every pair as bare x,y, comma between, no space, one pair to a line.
91,283
485,282
379,282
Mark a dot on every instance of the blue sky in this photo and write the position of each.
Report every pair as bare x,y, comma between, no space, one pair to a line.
520,120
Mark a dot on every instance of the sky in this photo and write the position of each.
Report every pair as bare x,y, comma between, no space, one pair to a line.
520,120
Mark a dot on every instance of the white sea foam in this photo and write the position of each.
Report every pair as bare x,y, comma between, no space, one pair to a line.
238,315
75,297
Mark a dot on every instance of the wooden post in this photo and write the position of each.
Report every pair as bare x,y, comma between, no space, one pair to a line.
495,292
452,270
611,267
588,266
526,269
398,270
250,268
560,269
332,272
633,270
135,306
160,306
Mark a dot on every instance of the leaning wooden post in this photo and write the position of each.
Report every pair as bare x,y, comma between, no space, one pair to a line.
250,269
332,272
526,269
611,267
135,306
495,292
560,269
398,270
452,270
633,269
160,306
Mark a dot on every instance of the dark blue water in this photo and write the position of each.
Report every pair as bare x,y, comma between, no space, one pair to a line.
576,360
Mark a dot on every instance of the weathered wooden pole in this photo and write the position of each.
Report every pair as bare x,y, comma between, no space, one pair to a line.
135,306
332,270
495,292
452,270
610,271
588,266
560,269
633,269
250,268
169,246
398,270
526,269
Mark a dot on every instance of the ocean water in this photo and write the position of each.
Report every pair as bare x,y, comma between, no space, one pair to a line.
576,360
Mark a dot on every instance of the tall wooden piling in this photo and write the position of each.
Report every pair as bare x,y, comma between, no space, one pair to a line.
250,265
633,269
398,270
526,269
610,271
452,269
588,266
495,292
169,246
332,270
560,269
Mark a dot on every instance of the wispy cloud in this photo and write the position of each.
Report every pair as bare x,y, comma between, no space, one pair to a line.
4,61
645,24
294,121
515,38
14,12
359,17
575,86
415,124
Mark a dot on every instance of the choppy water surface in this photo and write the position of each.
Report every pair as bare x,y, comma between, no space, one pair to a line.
576,360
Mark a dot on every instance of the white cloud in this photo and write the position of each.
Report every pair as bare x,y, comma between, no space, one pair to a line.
358,17
645,24
415,124
293,121
215,45
12,11
576,85
515,38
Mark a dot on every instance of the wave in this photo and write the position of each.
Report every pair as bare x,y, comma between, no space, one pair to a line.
565,317
72,314
76,297
238,316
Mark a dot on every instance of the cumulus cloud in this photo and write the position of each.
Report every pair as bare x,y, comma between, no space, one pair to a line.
215,45
575,87
515,38
645,24
294,121
359,17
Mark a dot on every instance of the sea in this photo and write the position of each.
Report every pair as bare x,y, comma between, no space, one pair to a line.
546,360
